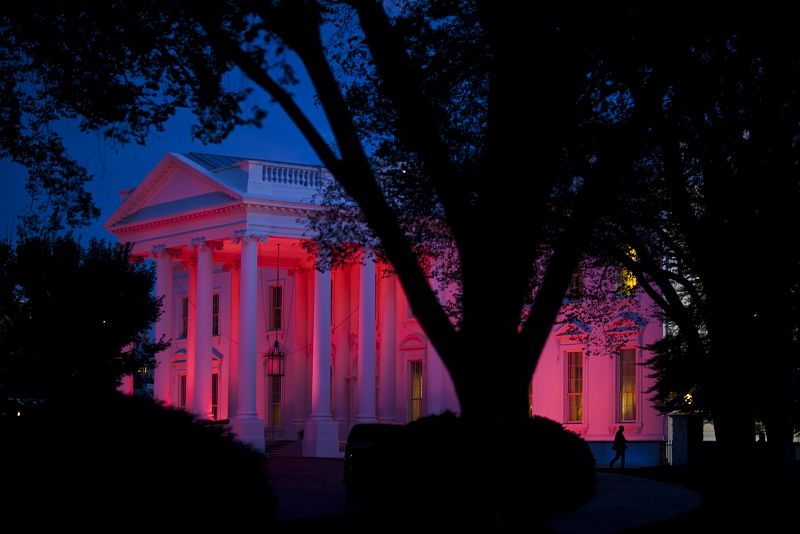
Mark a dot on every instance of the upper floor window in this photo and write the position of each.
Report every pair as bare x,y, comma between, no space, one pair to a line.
215,315
183,327
275,307
627,280
626,385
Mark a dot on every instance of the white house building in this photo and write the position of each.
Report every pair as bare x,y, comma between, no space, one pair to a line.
226,233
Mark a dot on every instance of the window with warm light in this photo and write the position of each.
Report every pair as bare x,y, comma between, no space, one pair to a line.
574,387
626,384
215,315
530,398
215,396
183,329
276,307
414,389
275,394
627,280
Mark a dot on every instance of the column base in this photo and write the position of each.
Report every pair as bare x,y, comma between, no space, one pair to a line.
321,438
250,430
365,419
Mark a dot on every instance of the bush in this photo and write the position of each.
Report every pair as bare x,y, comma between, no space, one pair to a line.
134,463
429,467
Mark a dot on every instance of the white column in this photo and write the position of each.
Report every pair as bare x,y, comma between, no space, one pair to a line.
366,343
233,342
246,424
388,341
341,341
321,348
321,434
191,336
202,370
162,373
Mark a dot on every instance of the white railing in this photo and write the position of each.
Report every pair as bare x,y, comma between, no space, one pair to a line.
291,175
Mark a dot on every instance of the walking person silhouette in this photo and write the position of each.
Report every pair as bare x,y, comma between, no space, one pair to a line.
620,444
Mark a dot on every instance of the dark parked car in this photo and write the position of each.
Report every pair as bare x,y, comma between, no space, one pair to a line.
365,457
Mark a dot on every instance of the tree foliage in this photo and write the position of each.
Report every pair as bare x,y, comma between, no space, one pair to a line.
73,320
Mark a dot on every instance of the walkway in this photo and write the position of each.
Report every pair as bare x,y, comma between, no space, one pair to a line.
312,488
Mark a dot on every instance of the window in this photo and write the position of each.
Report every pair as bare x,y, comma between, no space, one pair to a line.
184,326
574,387
626,384
214,396
275,307
182,391
215,315
414,389
627,280
530,398
275,390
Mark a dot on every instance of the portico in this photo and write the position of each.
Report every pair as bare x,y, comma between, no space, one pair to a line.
215,237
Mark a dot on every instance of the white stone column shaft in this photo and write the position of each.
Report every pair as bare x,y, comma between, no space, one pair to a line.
246,423
233,342
321,349
321,432
203,300
366,343
164,327
388,341
248,293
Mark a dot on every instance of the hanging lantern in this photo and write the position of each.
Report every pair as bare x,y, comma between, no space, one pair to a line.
276,360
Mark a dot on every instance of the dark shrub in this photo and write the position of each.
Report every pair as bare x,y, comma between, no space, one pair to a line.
128,463
563,465
430,471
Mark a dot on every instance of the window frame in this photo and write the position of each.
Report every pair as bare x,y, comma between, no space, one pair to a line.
620,392
570,381
271,308
215,307
416,406
183,318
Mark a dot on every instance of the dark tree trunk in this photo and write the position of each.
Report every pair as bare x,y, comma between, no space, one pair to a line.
494,409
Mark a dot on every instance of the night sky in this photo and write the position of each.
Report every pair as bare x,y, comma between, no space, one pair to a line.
115,169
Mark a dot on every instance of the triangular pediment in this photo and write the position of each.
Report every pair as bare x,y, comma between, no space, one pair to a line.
573,329
627,322
176,186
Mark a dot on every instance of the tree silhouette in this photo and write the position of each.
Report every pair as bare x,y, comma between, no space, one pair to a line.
492,104
74,321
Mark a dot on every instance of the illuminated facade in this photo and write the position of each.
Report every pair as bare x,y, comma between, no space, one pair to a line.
225,234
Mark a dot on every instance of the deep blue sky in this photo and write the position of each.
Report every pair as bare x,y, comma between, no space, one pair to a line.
117,169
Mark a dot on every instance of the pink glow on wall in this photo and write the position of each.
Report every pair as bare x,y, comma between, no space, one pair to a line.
322,391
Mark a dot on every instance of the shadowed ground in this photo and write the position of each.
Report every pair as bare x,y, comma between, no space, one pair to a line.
311,494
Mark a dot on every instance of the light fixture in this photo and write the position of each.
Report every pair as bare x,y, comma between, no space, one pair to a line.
276,358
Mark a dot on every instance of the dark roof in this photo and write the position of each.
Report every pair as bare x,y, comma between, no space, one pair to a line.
213,161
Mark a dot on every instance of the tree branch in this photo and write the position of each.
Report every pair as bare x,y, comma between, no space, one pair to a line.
401,83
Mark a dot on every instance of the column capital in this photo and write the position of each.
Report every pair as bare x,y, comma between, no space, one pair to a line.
232,265
161,250
198,242
249,235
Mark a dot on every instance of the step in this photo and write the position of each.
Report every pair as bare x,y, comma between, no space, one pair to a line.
284,448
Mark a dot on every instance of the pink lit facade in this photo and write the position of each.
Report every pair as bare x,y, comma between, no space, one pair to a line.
225,235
